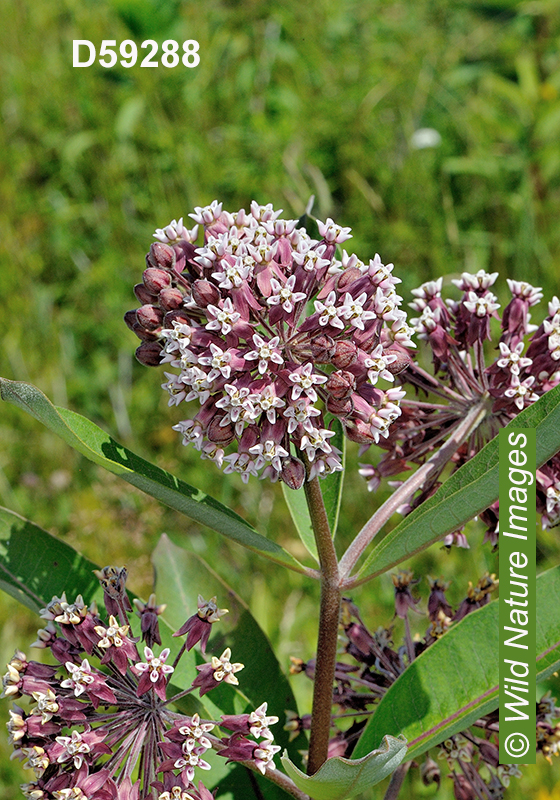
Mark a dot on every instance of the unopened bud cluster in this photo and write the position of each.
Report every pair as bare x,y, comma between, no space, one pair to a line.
268,333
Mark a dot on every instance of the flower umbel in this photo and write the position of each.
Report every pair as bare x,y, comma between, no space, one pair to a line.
103,726
254,322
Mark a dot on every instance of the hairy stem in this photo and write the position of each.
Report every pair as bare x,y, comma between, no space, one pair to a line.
328,629
348,561
396,782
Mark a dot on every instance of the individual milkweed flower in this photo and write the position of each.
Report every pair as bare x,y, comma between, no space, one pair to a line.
253,322
153,673
149,625
198,626
402,581
217,671
105,713
239,748
257,723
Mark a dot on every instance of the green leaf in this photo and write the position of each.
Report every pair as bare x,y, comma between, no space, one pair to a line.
181,576
331,486
297,506
339,778
465,494
455,681
99,447
331,489
35,566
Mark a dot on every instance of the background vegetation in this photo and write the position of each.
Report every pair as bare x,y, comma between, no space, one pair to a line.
290,99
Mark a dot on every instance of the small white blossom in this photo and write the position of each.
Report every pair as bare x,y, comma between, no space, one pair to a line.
333,233
224,318
265,351
330,314
224,670
284,295
305,379
80,677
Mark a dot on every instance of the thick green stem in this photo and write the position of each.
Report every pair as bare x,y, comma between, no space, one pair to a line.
328,629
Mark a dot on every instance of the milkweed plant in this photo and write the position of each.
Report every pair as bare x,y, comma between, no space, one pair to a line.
277,346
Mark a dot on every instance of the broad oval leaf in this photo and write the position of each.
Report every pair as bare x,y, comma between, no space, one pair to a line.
339,778
465,494
35,566
90,440
455,681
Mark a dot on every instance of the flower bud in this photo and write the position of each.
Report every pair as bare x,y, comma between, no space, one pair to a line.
489,753
340,408
144,334
205,293
345,354
149,354
176,316
170,299
222,435
143,295
402,362
156,279
293,473
149,317
359,431
348,277
161,255
322,349
341,384
131,319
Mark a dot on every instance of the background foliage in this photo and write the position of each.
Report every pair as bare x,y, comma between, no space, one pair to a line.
289,100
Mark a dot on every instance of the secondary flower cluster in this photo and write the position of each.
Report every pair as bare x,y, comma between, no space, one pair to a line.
526,365
101,723
375,662
268,332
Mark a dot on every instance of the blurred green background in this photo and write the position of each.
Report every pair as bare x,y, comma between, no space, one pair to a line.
290,100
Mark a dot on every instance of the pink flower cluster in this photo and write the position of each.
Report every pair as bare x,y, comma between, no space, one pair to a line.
271,336
101,724
466,377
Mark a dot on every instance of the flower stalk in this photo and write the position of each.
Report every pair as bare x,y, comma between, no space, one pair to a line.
329,614
431,468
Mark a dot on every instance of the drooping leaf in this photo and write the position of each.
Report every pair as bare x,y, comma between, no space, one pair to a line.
455,681
340,778
181,576
99,447
465,494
